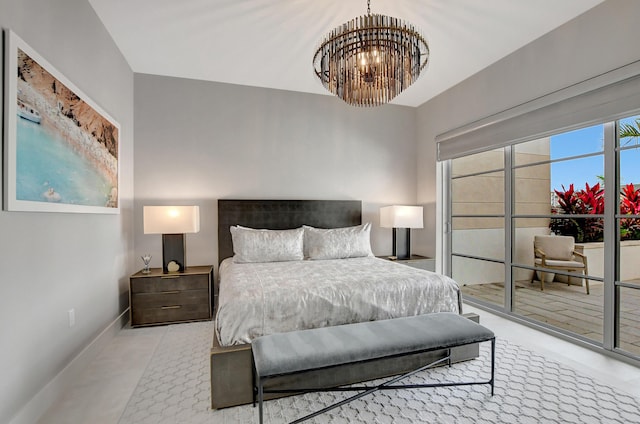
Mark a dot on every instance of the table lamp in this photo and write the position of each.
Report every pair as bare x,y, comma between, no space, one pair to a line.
401,218
172,222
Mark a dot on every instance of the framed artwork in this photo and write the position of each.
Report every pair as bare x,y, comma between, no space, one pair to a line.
60,148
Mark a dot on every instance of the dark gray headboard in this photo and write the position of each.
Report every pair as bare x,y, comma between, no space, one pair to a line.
282,215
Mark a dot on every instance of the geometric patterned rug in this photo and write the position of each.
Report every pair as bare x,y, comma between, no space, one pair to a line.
529,389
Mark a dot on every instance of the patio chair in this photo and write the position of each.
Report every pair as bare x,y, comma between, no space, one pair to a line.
558,252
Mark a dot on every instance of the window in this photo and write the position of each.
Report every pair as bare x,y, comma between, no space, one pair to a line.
583,184
477,223
627,282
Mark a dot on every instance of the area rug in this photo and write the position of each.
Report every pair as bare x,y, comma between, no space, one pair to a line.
529,388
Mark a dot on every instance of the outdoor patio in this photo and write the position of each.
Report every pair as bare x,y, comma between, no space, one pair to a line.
568,307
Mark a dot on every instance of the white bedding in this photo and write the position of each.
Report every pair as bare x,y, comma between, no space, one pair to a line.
256,299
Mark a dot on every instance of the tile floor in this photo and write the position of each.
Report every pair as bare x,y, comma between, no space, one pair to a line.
101,394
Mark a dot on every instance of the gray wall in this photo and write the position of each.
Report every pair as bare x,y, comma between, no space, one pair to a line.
52,262
197,142
602,39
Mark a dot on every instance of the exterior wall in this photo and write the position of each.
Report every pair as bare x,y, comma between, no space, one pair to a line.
478,194
629,254
532,188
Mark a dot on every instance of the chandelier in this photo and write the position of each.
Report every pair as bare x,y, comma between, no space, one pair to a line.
371,59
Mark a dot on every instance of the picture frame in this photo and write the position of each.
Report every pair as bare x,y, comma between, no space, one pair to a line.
61,150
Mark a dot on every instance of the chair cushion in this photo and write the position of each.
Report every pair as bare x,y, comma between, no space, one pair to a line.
561,264
555,247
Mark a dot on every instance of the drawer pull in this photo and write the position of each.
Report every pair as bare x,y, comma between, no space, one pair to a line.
169,277
171,307
170,292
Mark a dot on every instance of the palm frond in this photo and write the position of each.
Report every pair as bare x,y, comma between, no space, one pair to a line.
630,130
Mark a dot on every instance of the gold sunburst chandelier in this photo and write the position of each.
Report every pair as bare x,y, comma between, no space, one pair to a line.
371,59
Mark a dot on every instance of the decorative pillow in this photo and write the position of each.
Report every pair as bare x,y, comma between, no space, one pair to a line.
251,245
338,243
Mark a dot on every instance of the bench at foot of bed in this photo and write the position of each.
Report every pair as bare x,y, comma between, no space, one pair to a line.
297,352
232,384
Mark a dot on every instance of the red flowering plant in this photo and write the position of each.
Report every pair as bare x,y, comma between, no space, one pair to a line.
590,201
630,205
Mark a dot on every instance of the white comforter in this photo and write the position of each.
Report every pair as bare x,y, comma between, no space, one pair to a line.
256,299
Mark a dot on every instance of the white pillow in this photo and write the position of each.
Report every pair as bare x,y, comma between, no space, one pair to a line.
338,243
251,245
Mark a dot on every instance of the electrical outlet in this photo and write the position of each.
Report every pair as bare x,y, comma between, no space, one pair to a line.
72,317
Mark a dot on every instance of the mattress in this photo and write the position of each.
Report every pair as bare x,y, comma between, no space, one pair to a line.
257,299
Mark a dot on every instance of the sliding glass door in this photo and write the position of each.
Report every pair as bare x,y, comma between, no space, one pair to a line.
549,230
559,190
627,284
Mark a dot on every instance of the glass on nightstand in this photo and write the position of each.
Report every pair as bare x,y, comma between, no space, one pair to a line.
146,259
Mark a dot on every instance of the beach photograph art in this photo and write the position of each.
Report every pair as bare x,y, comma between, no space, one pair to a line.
61,149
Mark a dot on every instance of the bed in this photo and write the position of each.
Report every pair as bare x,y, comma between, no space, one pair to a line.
258,299
261,295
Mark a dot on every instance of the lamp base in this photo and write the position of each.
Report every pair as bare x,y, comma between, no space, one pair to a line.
173,253
402,243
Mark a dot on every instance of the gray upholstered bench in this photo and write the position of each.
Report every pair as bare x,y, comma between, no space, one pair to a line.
299,351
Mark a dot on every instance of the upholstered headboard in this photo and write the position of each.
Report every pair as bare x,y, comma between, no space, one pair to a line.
282,215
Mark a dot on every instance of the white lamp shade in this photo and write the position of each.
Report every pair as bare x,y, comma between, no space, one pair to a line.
398,216
171,219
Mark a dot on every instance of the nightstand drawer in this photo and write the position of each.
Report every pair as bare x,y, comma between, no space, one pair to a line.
170,298
170,313
170,283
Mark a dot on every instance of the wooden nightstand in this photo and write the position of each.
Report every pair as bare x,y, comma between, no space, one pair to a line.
416,261
158,298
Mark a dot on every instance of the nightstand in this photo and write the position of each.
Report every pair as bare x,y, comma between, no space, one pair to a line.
416,261
158,298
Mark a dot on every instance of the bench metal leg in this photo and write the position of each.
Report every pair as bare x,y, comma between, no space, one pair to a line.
260,399
370,390
254,389
493,363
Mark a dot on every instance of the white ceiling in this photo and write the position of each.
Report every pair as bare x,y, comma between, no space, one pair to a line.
270,43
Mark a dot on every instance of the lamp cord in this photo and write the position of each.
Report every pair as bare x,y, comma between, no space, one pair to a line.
368,7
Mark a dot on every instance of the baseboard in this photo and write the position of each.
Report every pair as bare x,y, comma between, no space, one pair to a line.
53,390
